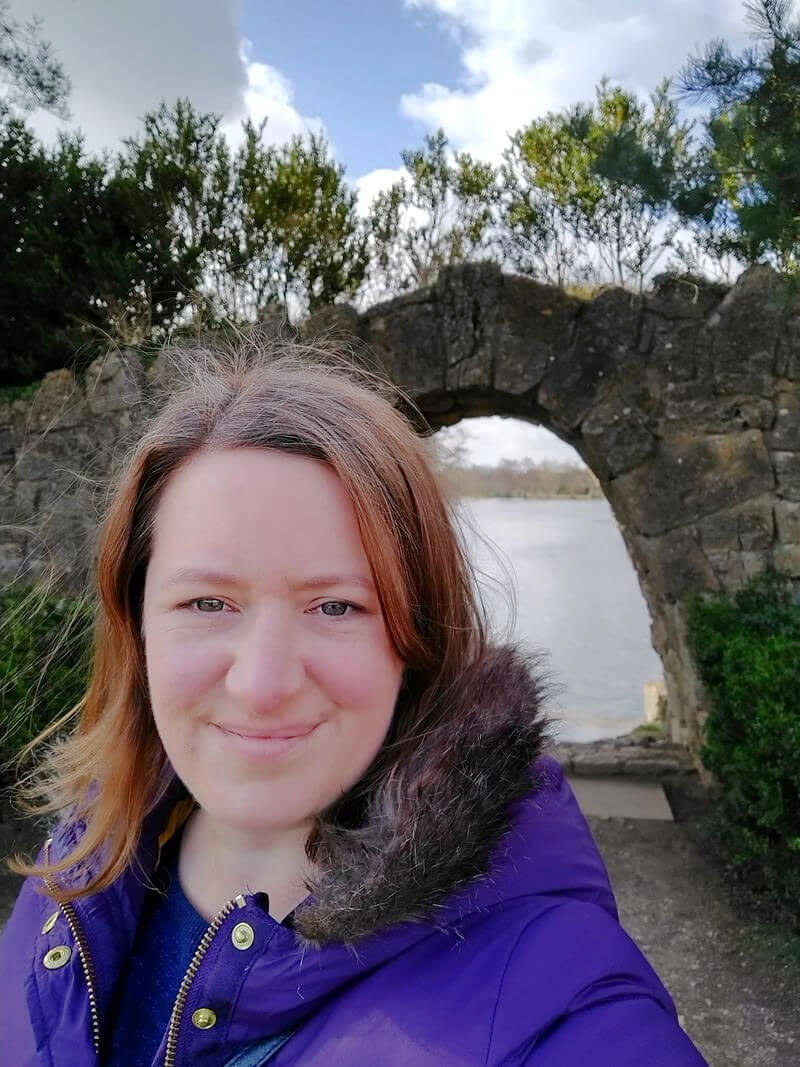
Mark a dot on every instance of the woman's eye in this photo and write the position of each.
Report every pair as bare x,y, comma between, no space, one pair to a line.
338,604
206,600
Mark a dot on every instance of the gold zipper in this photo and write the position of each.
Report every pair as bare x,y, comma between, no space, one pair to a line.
188,978
83,948
89,971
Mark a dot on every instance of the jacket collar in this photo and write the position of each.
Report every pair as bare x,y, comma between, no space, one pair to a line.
435,831
427,835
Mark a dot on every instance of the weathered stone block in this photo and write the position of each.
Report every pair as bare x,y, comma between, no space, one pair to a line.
616,438
675,350
600,355
787,363
746,527
735,569
684,296
340,321
656,767
602,764
675,564
10,441
745,329
787,472
25,502
532,328
654,695
787,560
12,555
468,302
114,383
691,477
785,433
690,407
404,334
787,520
59,401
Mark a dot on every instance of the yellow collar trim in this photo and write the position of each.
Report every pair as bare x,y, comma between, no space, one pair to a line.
180,812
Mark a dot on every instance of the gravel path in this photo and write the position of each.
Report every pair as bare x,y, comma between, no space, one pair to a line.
738,998
739,1001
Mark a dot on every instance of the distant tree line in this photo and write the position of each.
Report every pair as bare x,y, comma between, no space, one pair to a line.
543,479
179,231
526,477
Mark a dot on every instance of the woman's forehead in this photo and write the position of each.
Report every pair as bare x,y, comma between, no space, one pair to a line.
255,513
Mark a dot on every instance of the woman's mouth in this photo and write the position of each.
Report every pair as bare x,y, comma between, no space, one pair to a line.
265,747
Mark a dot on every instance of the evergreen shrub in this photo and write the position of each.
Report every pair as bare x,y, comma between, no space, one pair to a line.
747,648
45,643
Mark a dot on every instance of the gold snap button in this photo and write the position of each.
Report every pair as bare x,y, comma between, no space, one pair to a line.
57,957
242,935
50,922
204,1018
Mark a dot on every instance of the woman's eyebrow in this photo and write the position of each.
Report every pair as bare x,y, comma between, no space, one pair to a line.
320,581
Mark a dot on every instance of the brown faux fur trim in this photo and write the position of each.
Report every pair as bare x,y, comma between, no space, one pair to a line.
430,832
435,833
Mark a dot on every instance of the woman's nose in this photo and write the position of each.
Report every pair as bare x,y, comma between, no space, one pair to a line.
266,667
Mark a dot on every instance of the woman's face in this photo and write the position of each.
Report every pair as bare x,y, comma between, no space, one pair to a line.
279,632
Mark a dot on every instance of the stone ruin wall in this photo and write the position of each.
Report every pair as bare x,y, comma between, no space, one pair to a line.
685,403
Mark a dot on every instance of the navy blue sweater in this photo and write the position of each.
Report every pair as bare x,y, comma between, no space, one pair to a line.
169,932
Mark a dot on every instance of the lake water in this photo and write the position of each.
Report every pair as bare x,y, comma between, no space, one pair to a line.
578,600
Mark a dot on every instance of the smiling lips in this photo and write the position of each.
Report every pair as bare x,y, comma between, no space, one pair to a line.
266,746
298,730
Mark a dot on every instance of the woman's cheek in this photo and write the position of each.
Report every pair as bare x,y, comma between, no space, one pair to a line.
184,670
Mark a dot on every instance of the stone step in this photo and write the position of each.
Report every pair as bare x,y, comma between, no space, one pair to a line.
621,798
609,758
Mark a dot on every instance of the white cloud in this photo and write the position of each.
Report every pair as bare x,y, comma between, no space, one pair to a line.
488,440
369,185
124,64
269,95
522,59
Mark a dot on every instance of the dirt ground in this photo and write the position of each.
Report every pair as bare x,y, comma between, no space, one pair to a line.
736,991
737,995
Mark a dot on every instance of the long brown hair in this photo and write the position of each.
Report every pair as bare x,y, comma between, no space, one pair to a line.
308,399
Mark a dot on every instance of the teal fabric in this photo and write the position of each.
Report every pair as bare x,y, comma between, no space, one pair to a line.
257,1054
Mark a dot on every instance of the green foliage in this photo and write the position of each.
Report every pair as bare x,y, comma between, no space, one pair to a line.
174,183
440,214
299,236
232,233
744,188
10,393
44,662
747,647
594,179
176,232
65,251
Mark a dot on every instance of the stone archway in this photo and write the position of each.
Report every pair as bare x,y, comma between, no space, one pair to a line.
685,403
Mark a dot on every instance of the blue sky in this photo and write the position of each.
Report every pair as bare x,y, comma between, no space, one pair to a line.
374,77
350,63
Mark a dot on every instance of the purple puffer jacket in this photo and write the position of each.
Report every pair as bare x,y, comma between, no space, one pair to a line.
487,936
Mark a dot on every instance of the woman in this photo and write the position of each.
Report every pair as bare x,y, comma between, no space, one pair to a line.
306,816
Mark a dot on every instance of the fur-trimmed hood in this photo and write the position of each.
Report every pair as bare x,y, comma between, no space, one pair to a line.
426,837
418,907
437,830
